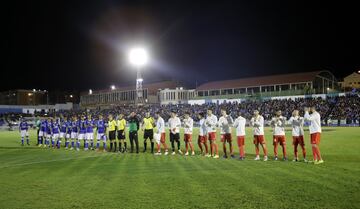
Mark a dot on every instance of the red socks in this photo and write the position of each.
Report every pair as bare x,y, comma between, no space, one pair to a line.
241,150
303,151
275,149
284,150
314,153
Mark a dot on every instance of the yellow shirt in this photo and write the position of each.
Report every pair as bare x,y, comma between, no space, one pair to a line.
149,123
112,125
121,124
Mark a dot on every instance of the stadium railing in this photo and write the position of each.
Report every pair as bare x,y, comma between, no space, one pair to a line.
256,95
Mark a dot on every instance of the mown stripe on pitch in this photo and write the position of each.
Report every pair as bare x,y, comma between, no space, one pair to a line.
47,161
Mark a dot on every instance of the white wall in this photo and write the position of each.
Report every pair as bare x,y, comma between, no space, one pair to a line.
196,101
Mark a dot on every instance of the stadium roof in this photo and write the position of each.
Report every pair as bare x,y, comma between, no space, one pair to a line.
261,81
152,87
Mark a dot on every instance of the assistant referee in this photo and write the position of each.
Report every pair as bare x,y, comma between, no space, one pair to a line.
148,127
112,132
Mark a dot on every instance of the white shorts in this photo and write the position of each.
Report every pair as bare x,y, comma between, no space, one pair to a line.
48,136
81,136
62,134
101,136
55,136
24,133
74,135
67,136
89,136
41,133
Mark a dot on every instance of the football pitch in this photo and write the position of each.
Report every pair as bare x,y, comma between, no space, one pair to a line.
32,177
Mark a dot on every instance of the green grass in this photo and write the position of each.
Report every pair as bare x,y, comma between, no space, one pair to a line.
32,177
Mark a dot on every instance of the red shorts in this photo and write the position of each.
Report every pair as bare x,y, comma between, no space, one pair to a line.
187,137
202,139
279,139
212,136
298,140
241,140
226,137
162,138
259,139
315,138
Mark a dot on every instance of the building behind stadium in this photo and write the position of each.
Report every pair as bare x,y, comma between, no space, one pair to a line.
171,92
34,101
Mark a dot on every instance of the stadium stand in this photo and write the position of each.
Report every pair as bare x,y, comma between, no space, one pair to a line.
338,110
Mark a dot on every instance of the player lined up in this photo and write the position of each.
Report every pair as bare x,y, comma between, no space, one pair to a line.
73,131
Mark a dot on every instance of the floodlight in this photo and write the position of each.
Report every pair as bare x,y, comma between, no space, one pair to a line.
138,57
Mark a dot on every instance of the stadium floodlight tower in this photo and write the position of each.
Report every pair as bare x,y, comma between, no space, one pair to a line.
139,58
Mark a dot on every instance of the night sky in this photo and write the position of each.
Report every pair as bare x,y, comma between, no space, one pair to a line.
78,45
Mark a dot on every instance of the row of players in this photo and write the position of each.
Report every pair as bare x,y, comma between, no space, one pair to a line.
74,131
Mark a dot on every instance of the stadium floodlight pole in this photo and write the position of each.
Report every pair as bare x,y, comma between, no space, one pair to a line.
47,97
139,89
138,57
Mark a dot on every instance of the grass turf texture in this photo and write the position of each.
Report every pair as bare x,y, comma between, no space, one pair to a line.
34,177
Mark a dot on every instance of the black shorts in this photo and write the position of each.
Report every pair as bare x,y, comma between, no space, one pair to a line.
174,137
112,135
149,134
120,134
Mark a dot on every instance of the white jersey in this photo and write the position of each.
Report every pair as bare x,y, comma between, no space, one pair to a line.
160,125
315,119
202,128
278,124
258,125
188,125
297,124
211,122
239,125
225,123
174,123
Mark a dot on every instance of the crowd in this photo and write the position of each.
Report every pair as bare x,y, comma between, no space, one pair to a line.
334,108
